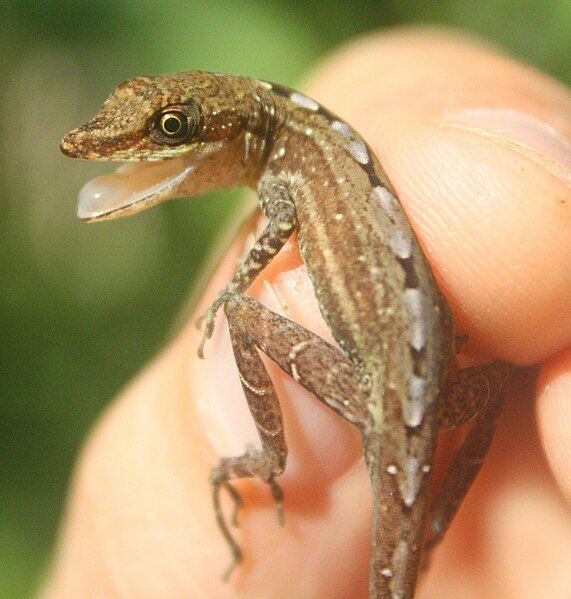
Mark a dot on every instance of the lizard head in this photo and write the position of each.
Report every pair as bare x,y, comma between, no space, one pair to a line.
179,134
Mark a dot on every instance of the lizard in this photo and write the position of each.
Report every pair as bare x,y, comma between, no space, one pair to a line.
392,373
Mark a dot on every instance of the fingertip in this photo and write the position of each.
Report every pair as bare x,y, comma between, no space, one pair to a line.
495,229
477,145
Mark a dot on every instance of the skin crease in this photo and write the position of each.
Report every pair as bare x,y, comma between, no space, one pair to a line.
492,210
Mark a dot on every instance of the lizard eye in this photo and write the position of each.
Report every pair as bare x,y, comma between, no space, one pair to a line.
175,125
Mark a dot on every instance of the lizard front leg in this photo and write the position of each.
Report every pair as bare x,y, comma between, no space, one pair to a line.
315,364
277,203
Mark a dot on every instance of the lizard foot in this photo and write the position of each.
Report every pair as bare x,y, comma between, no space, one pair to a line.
216,483
253,463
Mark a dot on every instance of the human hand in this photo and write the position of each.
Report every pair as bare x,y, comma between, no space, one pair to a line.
475,144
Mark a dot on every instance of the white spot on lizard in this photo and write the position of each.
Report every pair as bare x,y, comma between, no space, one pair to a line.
358,151
409,482
414,407
304,101
414,300
401,241
400,557
342,128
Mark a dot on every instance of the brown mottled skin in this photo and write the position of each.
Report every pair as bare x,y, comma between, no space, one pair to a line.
392,373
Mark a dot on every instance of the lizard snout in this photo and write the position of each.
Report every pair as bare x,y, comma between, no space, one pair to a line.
70,145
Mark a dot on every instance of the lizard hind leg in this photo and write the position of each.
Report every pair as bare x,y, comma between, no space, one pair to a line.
473,393
265,463
317,365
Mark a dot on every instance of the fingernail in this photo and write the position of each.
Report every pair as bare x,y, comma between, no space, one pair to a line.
523,133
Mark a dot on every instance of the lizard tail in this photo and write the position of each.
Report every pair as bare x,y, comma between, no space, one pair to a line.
398,460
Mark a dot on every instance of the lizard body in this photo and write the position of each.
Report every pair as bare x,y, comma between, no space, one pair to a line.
316,176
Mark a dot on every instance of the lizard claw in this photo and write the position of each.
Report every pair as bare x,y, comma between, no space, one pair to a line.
209,317
236,561
238,503
198,322
278,496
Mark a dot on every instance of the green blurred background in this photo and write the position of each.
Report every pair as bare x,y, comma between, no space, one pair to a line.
84,307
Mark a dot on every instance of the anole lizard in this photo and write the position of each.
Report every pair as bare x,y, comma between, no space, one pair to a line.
392,375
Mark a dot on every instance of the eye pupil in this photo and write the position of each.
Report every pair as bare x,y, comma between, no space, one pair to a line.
172,124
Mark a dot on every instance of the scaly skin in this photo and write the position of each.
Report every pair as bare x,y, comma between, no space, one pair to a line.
392,376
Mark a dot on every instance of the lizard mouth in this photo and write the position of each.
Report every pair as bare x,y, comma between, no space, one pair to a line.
131,188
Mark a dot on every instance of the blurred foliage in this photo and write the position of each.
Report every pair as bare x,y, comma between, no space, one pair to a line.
83,307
